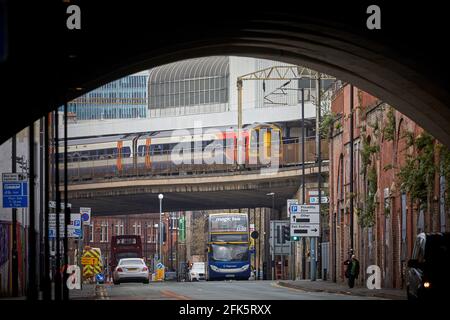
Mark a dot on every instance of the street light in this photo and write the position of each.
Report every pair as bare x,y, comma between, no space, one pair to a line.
160,197
272,262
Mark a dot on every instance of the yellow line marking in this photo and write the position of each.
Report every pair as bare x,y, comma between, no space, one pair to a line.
171,294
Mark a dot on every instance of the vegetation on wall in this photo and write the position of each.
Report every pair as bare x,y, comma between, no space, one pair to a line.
389,126
444,155
366,216
367,150
416,177
326,125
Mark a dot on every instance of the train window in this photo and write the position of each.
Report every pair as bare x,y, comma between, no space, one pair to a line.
126,152
141,150
206,143
254,139
156,149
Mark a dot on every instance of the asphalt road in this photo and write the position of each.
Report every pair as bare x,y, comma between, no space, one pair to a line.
207,290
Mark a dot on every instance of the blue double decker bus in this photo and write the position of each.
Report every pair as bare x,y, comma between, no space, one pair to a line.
228,246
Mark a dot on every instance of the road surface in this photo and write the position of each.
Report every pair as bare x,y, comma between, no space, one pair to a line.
213,290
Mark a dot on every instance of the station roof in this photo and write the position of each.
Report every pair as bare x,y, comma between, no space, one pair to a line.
215,66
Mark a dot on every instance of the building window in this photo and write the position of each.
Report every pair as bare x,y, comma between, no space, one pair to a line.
104,232
118,229
137,229
91,233
174,222
155,232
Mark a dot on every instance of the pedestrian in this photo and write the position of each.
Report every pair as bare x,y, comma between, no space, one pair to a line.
352,270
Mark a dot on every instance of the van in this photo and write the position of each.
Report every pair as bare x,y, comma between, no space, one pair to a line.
428,275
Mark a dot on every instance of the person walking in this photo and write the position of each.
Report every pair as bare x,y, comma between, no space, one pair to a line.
352,271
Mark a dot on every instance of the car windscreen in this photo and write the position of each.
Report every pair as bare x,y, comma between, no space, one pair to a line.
226,253
131,262
438,251
198,267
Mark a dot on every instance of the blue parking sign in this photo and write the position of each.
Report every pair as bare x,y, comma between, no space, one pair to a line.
15,194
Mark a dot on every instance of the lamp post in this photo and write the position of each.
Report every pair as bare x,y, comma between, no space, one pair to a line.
271,266
160,197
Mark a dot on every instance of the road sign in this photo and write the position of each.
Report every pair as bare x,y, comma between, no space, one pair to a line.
85,215
304,208
323,199
254,234
92,269
305,222
306,230
52,204
74,229
305,218
15,190
290,202
52,225
100,278
315,192
89,260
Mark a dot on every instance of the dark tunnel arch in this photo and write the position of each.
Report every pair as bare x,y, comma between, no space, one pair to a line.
321,41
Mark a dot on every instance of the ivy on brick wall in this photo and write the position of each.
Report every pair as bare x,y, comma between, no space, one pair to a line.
444,155
416,177
366,215
367,150
389,125
326,124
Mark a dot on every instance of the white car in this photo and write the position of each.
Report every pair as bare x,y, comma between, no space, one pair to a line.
197,271
131,270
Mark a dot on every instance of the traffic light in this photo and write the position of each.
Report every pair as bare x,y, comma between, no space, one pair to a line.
286,234
295,238
164,233
181,229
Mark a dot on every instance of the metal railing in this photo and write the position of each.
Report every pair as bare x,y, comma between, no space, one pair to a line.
161,164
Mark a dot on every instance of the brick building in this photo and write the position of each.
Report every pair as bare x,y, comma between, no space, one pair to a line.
399,175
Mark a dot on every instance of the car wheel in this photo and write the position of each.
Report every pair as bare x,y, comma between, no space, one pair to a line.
146,281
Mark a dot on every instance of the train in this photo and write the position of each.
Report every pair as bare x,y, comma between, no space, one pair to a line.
158,152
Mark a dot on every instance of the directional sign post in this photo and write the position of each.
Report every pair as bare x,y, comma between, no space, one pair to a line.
15,190
305,221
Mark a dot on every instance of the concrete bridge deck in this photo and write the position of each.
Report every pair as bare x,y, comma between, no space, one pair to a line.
245,189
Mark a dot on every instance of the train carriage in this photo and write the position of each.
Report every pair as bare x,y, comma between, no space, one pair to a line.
168,152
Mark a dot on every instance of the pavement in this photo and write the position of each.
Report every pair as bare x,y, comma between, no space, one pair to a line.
336,288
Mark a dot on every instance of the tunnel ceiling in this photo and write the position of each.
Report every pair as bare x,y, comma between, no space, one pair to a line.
405,63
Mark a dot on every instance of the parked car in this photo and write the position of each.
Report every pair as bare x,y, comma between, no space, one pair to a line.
197,272
131,270
428,273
